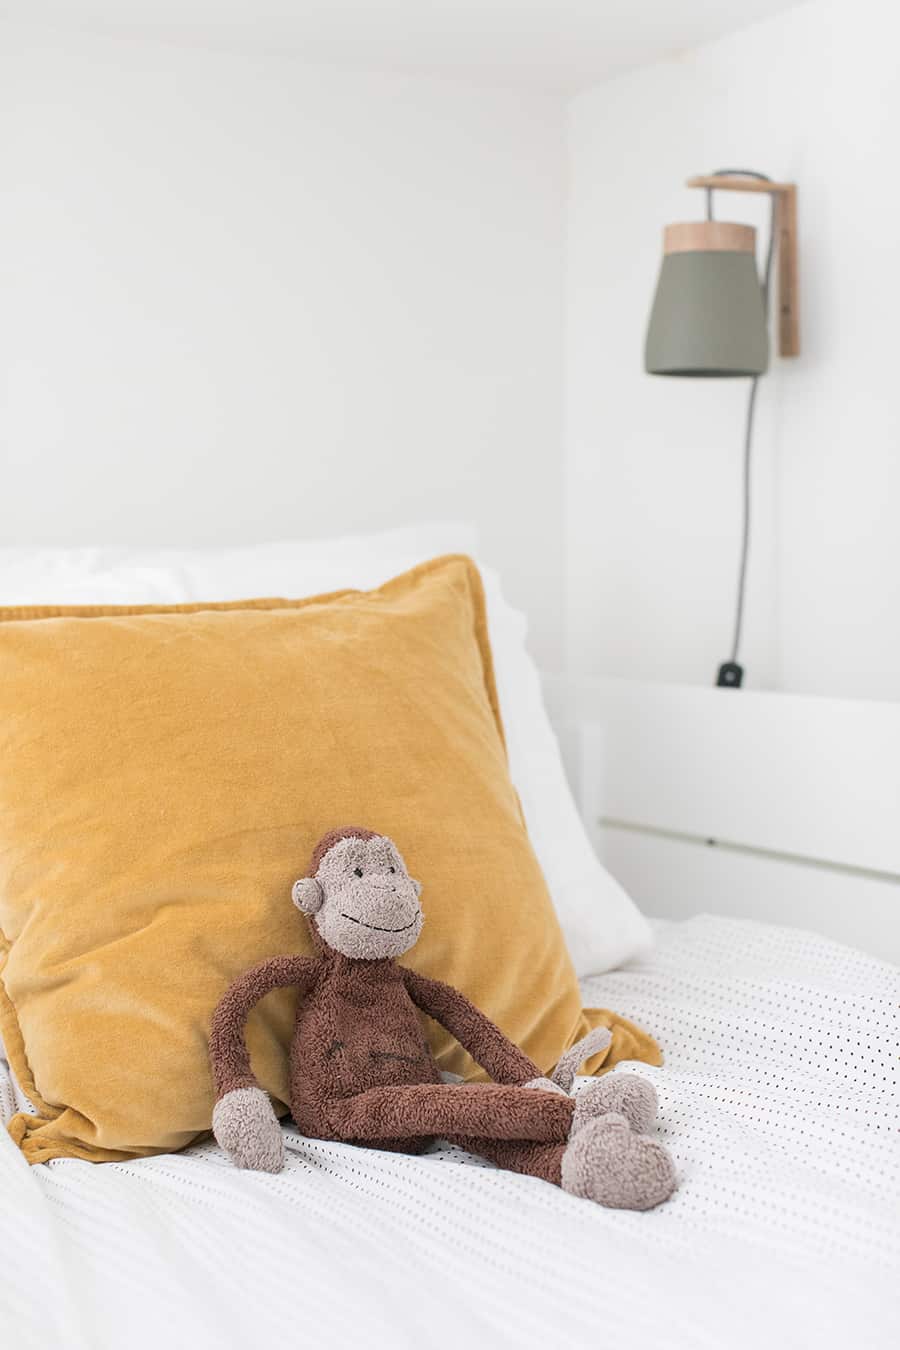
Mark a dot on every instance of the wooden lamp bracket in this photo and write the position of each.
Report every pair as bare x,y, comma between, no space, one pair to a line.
786,228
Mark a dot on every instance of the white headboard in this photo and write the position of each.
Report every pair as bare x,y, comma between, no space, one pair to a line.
763,805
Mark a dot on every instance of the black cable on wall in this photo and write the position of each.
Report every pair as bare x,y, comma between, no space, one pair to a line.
731,673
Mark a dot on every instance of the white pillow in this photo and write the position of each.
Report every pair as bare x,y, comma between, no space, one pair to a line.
601,924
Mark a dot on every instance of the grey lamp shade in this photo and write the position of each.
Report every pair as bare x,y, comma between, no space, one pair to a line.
708,316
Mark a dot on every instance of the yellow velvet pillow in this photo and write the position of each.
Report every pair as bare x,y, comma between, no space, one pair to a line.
164,775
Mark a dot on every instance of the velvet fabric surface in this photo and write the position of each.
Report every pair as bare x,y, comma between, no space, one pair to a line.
164,774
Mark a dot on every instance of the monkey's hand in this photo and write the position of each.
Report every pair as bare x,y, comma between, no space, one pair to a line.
247,1129
597,1039
545,1085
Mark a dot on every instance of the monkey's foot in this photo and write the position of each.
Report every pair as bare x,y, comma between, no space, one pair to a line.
608,1163
247,1129
625,1094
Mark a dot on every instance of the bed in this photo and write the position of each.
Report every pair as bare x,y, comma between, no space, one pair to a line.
778,1094
779,1101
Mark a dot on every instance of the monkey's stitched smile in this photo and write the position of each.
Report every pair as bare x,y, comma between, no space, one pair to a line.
375,925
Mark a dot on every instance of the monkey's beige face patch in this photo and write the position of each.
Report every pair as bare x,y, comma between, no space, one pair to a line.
370,906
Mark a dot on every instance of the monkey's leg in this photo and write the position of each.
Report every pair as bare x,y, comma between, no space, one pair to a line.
518,1155
522,1129
475,1110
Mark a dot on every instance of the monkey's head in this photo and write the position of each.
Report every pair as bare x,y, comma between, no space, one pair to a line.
359,896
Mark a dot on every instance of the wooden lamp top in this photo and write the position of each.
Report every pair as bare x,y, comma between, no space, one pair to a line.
709,236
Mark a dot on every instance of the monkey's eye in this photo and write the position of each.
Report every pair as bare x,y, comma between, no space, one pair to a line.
392,869
357,871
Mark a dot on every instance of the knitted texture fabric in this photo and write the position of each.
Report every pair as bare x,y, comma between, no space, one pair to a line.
779,1101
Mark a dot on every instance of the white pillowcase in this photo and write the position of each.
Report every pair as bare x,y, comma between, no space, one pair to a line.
601,924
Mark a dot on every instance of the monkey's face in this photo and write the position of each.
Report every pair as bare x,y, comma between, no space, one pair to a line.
362,899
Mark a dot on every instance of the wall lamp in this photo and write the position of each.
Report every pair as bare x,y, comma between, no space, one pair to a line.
710,317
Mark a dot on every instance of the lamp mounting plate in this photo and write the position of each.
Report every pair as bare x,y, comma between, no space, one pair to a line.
786,226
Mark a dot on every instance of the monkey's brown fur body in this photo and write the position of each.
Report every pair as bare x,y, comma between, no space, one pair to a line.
361,1070
360,1067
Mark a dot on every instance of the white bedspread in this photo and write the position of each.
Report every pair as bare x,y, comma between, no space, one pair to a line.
778,1099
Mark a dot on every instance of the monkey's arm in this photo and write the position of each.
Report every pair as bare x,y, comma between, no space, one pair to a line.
244,1122
485,1042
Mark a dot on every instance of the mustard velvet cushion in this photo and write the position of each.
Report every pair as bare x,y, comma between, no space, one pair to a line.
164,775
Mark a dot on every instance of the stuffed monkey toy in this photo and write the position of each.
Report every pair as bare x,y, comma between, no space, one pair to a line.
361,1070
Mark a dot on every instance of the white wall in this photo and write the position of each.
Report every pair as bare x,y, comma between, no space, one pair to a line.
654,465
244,299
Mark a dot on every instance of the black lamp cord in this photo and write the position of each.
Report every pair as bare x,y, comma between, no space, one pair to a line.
731,673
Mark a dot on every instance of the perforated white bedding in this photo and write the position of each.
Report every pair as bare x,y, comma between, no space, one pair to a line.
779,1101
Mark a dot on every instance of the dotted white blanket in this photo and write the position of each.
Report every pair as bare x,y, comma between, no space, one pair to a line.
779,1101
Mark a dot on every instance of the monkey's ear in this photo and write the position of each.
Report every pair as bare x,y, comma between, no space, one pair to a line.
307,895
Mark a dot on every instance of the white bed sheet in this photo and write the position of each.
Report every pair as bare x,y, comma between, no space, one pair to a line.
779,1101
